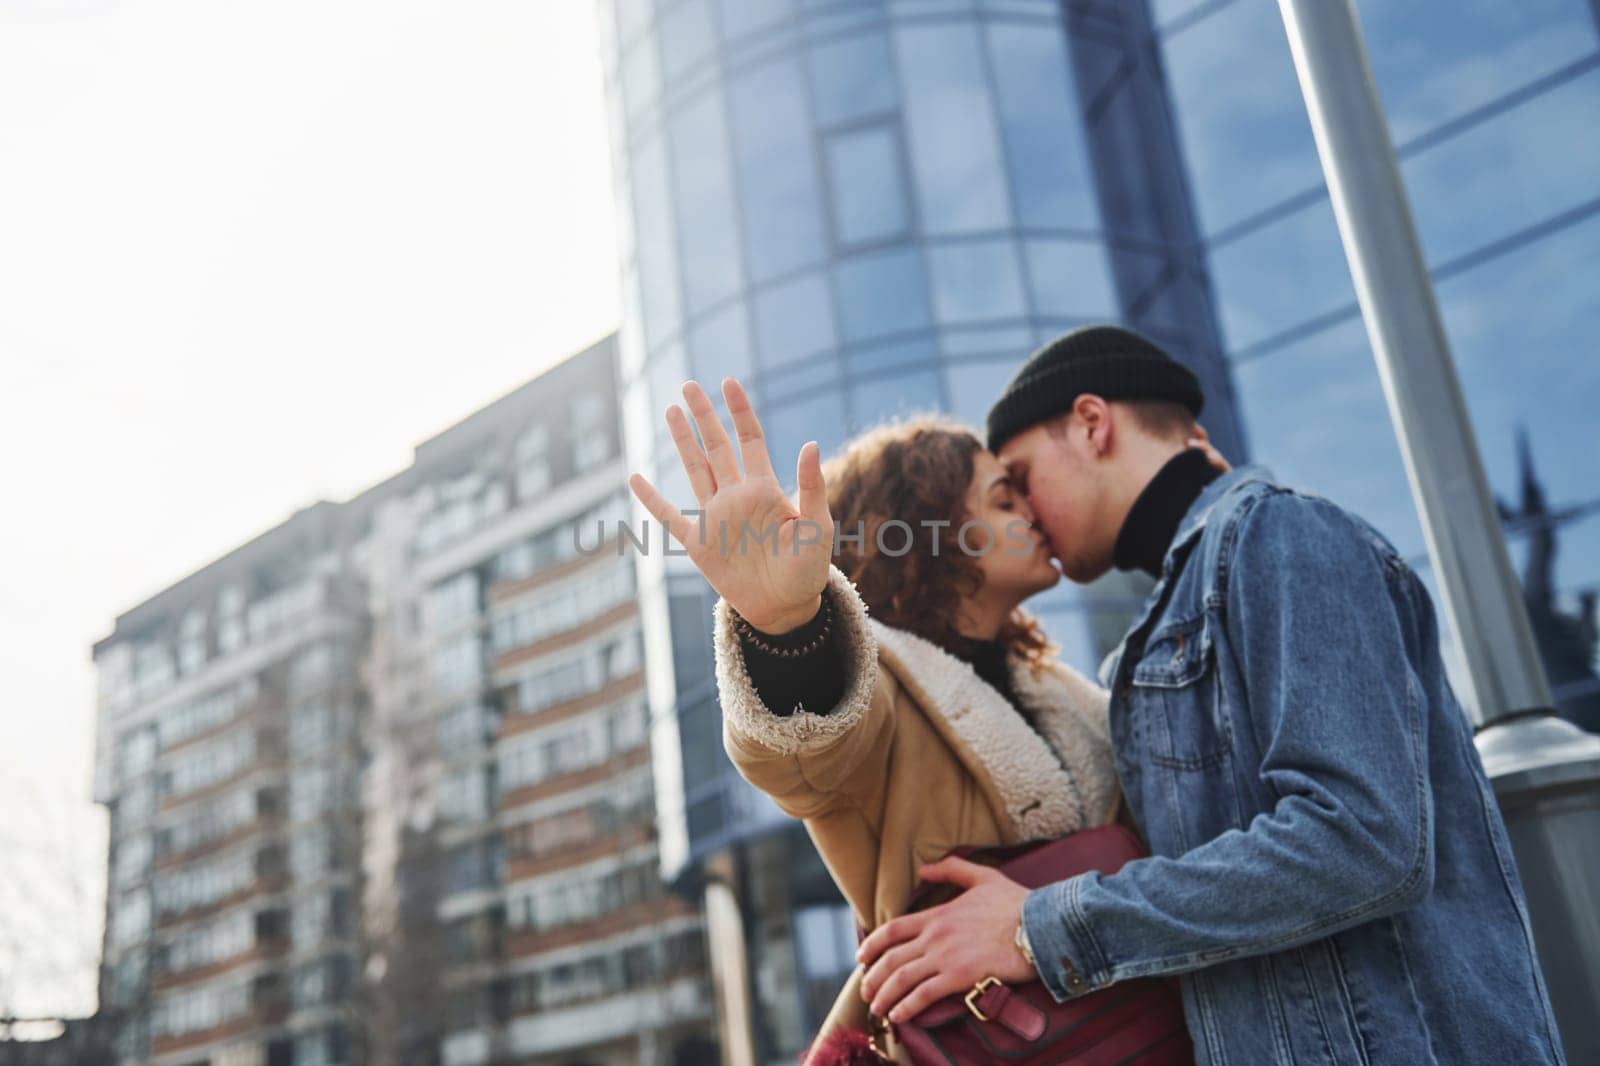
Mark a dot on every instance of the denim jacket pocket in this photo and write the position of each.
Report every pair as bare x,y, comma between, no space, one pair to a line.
1173,683
1187,776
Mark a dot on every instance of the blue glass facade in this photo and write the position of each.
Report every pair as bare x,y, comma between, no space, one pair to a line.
1493,109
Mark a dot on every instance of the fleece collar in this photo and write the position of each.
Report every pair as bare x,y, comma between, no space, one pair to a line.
1046,788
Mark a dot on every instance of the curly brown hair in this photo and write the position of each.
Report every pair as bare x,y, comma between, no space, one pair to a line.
916,470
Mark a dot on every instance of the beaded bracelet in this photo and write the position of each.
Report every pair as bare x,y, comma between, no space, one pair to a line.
751,636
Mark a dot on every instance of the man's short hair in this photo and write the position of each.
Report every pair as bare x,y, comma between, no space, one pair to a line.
1162,419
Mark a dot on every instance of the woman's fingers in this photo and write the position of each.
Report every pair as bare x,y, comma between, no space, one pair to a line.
752,442
701,481
719,449
1213,456
661,508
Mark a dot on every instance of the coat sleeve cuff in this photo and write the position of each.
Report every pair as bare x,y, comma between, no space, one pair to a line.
804,731
1065,953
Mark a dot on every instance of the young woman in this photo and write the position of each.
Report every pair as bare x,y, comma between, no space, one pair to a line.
892,694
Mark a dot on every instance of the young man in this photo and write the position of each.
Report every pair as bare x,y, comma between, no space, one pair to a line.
1330,875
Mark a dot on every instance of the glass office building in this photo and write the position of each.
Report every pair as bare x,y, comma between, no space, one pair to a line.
861,208
1492,109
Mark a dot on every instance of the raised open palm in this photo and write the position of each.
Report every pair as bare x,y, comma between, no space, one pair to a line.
764,553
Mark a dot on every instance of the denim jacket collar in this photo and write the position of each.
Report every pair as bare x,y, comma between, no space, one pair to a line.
1194,519
1189,529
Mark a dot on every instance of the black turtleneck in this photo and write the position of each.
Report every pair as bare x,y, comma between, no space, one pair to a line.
988,660
1153,519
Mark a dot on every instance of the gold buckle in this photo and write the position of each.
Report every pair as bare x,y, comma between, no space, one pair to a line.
977,990
882,1027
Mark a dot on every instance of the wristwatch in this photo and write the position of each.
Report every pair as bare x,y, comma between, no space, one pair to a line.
1021,940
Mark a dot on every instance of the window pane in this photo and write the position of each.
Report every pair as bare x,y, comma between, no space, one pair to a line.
633,16
658,274
803,376
1240,117
868,185
1070,279
881,293
777,172
974,387
685,38
641,76
879,399
1044,138
1438,59
703,182
819,417
851,78
986,340
955,145
1341,446
741,17
794,320
1522,330
1281,276
721,346
667,372
1517,169
865,360
975,281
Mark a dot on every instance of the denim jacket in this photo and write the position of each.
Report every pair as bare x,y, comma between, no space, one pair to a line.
1329,873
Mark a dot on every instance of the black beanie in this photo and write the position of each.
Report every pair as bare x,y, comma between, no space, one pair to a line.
1111,362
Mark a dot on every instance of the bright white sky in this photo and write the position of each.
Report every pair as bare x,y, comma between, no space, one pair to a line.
250,253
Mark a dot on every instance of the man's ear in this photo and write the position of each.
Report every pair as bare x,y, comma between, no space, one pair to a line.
1092,418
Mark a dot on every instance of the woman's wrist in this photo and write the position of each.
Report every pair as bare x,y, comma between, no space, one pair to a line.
801,637
787,622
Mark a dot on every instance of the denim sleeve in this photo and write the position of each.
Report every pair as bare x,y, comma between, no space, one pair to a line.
1317,620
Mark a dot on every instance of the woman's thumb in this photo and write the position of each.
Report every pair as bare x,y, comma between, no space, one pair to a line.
808,476
954,871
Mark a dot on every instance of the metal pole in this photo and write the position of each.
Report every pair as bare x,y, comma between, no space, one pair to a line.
1546,771
1465,542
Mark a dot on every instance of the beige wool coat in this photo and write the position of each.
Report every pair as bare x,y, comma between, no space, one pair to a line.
920,756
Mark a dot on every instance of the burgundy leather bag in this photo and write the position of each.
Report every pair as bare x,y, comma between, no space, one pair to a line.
1132,1022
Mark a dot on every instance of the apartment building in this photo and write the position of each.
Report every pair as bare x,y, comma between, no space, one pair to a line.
380,780
228,740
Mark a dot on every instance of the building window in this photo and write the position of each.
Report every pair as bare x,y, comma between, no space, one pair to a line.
851,78
591,436
976,281
882,293
867,187
573,745
794,321
465,729
955,143
192,642
310,728
310,852
458,664
702,179
782,216
564,607
464,796
531,454
583,895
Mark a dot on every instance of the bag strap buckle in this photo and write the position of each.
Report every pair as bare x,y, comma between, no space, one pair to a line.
977,992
